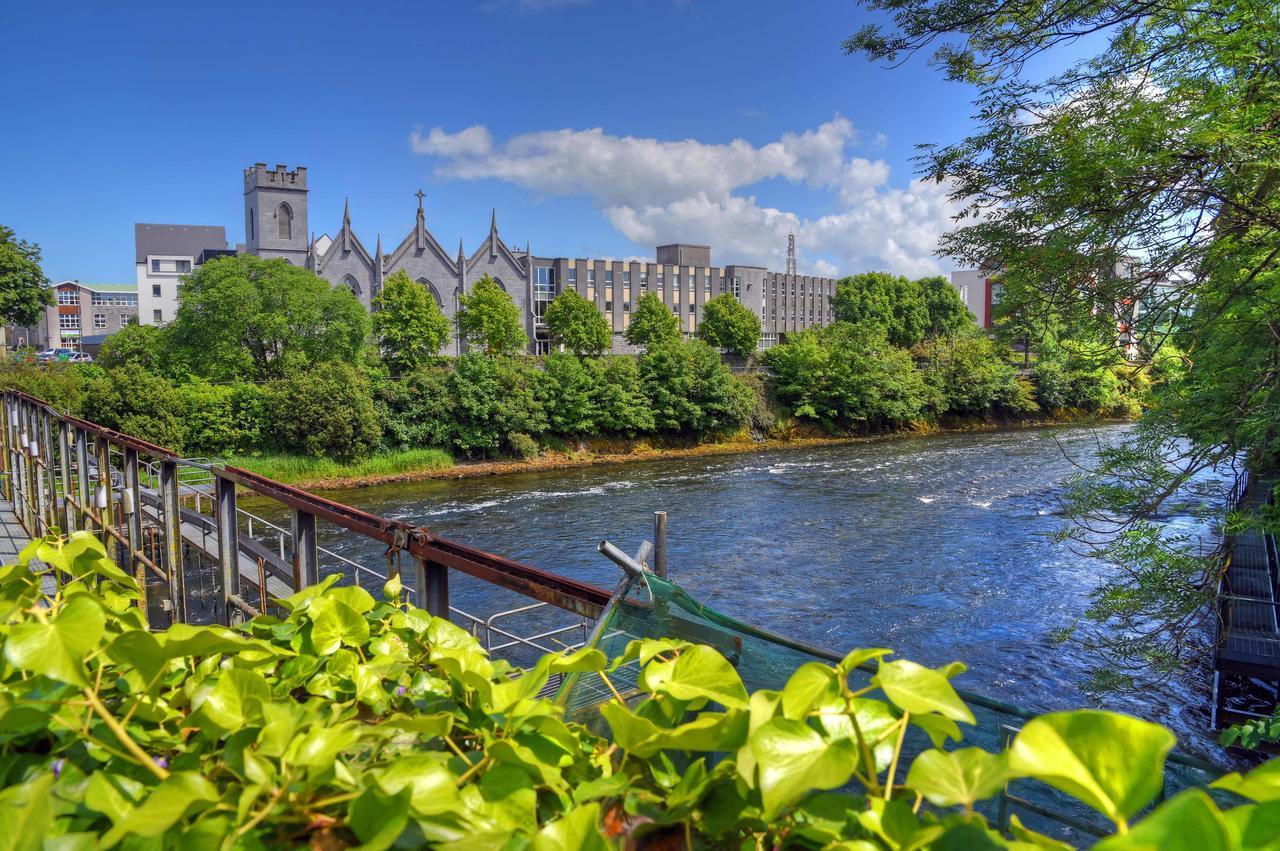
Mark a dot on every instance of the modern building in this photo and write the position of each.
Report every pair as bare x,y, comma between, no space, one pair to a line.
164,254
979,290
81,312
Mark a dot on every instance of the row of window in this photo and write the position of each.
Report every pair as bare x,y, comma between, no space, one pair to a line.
71,321
178,266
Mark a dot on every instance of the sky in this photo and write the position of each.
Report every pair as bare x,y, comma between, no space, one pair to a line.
596,128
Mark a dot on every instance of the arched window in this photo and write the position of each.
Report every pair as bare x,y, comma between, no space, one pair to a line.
498,281
352,284
253,214
431,288
284,221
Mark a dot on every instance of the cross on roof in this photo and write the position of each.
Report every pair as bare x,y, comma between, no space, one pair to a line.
420,195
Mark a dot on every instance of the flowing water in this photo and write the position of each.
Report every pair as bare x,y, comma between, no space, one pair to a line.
938,546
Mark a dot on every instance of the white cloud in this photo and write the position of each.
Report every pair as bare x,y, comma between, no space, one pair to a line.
655,191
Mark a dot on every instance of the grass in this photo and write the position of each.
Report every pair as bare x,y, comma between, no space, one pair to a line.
292,469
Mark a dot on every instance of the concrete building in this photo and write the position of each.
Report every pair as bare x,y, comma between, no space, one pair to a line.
276,217
81,315
979,291
164,254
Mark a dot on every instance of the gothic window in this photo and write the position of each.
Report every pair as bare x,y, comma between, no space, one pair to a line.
284,221
431,288
253,214
498,281
352,284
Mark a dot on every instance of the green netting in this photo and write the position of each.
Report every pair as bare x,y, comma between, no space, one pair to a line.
650,607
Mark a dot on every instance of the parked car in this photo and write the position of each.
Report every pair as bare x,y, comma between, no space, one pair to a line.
57,354
80,357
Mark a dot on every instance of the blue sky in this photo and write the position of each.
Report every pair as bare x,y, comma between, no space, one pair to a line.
148,112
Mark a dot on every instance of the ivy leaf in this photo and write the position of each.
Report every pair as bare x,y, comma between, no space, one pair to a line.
1261,785
236,700
334,624
167,804
859,656
578,830
139,650
378,820
1111,762
958,777
26,814
916,688
811,684
702,673
793,759
354,596
431,787
1189,821
56,649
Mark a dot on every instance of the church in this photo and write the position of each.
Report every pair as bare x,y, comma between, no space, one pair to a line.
275,210
276,225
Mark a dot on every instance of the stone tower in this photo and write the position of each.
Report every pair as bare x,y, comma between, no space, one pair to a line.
275,212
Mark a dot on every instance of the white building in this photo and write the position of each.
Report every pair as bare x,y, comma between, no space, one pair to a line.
164,254
979,291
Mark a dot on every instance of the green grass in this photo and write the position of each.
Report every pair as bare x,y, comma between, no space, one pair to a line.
292,469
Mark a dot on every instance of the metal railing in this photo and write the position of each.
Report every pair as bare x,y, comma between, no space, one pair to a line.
164,515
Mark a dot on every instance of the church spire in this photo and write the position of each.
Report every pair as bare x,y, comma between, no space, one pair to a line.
346,224
493,221
377,269
420,225
493,234
462,268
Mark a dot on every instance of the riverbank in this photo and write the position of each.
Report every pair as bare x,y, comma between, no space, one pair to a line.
425,464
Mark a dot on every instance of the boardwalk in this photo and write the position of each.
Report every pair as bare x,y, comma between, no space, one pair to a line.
12,536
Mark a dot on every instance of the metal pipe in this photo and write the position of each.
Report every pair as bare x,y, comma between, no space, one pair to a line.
629,565
660,543
306,553
228,544
171,517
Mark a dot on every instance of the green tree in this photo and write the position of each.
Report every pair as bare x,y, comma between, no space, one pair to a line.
947,313
131,400
489,319
408,323
1159,144
143,345
727,324
691,390
892,303
652,322
569,395
970,376
575,323
325,413
621,406
24,293
247,317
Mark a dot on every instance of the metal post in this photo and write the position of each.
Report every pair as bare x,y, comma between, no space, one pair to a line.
82,478
432,580
64,455
171,517
103,496
131,505
306,552
8,445
50,469
38,478
660,543
228,541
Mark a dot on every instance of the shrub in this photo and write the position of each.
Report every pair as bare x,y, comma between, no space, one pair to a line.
493,397
349,720
137,402
415,410
206,412
143,345
569,395
691,390
522,445
324,412
620,404
575,323
967,374
62,385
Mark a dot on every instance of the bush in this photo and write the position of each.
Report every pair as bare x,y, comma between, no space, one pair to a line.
324,412
349,720
62,385
690,390
143,345
493,397
522,445
569,395
137,402
206,412
967,374
620,404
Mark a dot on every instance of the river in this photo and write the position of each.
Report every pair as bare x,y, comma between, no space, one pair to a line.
939,546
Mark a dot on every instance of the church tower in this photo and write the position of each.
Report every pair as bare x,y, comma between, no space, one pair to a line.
275,212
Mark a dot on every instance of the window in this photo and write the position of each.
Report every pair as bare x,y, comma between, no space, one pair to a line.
431,288
644,281
155,265
573,275
284,221
157,315
253,214
352,284
591,277
608,306
675,308
183,265
608,276
155,291
99,320
626,277
69,321
68,296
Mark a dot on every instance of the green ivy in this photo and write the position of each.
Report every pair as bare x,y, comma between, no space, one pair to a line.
352,721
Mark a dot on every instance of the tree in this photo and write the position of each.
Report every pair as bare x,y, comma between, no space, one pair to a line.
139,344
652,322
1161,145
569,395
575,323
488,318
691,390
248,317
727,324
408,323
325,413
24,293
946,313
892,303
